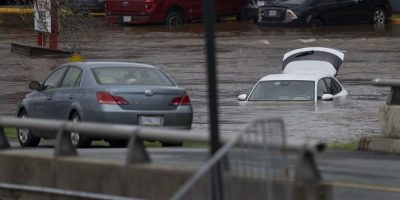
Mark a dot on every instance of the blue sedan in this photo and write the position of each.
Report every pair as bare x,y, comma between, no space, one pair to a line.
107,92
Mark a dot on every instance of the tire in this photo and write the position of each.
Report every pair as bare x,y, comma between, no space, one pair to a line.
379,16
77,139
25,136
243,15
118,143
315,23
172,144
173,18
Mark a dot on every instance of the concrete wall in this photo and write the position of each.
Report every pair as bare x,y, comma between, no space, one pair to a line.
145,181
389,118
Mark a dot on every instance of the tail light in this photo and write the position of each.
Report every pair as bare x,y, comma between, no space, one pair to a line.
107,98
290,15
149,4
180,101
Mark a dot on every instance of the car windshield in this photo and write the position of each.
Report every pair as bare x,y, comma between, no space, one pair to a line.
283,91
291,2
131,76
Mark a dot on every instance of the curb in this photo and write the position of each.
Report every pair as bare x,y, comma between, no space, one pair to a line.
14,10
379,144
17,10
395,19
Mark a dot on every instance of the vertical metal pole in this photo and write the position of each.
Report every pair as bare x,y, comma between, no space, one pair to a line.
216,172
53,43
39,39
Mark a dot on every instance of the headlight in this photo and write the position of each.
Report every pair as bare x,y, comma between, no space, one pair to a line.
290,16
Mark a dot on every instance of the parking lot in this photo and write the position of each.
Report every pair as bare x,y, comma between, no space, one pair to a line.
245,54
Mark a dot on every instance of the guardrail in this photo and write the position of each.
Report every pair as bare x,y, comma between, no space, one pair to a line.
136,152
394,84
135,134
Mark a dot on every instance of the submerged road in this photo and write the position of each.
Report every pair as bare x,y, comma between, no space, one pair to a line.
245,53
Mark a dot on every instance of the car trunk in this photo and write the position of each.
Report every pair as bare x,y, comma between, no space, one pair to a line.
272,14
321,59
125,6
148,97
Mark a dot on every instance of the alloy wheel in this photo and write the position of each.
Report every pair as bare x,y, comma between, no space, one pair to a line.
75,135
379,16
23,133
173,21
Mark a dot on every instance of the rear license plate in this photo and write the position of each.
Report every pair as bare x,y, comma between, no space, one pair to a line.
150,120
272,13
127,18
260,3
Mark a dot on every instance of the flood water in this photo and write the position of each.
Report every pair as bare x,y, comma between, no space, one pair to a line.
245,54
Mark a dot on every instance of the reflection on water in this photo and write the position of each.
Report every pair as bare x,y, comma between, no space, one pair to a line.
245,54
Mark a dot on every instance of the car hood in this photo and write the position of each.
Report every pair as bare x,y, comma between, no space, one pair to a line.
313,60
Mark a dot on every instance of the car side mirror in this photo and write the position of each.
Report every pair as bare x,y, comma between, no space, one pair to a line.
35,85
242,97
327,97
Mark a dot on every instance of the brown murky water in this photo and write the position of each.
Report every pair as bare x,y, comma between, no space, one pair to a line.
245,54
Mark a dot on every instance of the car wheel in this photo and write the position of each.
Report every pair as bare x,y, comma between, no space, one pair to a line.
243,15
173,18
171,144
379,16
315,23
25,136
118,143
78,140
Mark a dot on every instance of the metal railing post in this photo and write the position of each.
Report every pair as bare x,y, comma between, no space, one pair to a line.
4,144
64,146
394,84
136,150
307,177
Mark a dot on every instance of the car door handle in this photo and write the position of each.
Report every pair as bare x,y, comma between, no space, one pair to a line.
71,96
49,98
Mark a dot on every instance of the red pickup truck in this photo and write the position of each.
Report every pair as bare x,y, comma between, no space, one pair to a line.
169,12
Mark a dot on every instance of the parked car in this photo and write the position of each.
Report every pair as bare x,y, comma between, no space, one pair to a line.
106,92
91,5
308,76
169,12
84,6
316,13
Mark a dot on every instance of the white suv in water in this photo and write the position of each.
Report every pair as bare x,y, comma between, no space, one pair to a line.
308,76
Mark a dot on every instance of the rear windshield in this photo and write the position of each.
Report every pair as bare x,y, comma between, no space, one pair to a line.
283,91
131,76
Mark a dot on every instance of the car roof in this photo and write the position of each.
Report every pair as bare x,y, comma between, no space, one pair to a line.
298,77
111,64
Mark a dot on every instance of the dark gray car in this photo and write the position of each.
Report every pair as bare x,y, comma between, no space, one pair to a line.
108,92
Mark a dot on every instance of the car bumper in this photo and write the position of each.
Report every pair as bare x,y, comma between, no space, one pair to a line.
180,118
296,22
128,19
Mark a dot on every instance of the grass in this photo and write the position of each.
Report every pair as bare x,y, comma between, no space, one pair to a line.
10,133
343,146
157,144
